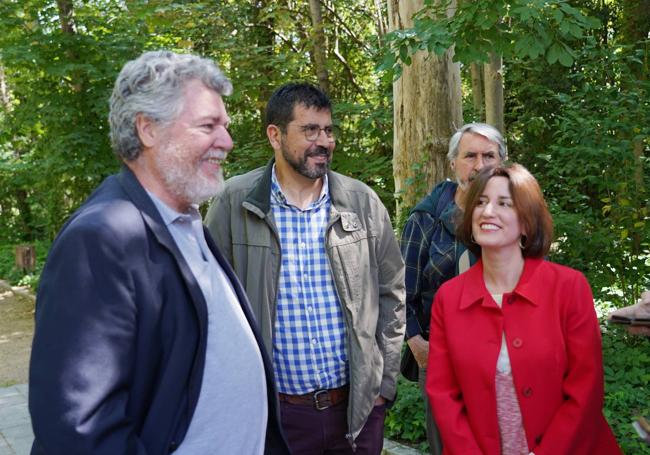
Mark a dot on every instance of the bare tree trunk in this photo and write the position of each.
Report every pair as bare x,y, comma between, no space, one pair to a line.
494,92
427,111
4,93
382,26
318,39
634,30
477,90
65,16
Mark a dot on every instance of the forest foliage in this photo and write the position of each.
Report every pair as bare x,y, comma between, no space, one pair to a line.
577,112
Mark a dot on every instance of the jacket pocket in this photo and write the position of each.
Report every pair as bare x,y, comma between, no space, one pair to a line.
351,258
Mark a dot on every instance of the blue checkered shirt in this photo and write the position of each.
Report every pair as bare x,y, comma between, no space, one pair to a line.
309,343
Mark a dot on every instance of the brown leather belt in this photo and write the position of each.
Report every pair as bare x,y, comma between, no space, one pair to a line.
319,399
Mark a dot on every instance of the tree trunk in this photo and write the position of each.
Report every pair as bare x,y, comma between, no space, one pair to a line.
477,91
494,92
265,40
26,216
380,20
65,16
4,93
318,39
636,17
427,110
67,26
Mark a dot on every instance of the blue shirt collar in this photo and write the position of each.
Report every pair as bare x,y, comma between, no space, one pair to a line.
280,198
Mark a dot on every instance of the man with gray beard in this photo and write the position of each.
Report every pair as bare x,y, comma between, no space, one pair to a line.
137,312
316,253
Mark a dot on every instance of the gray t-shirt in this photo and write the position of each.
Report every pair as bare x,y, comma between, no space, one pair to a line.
232,411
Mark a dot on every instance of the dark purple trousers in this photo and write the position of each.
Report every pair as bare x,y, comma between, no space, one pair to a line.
313,432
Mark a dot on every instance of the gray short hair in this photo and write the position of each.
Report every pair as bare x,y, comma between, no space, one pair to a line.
152,85
483,129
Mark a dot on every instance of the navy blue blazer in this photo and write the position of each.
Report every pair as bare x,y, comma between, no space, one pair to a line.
120,339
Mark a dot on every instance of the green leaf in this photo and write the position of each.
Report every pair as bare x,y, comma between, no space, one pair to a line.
553,53
565,58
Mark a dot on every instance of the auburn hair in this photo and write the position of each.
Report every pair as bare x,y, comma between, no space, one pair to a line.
528,201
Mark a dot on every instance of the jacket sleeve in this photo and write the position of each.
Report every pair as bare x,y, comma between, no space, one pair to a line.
443,388
390,323
218,222
83,350
415,251
582,387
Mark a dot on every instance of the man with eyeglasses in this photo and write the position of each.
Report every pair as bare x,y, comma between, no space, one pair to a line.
316,253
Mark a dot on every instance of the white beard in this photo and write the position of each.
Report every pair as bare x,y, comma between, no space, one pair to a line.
184,179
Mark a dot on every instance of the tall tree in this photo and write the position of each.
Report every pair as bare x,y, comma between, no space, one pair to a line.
476,74
66,15
4,94
427,110
493,78
319,45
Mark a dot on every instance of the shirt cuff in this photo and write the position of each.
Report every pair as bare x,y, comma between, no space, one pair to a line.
412,327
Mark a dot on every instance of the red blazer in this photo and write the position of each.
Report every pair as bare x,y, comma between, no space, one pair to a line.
554,345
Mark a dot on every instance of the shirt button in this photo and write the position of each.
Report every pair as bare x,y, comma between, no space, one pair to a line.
511,299
303,245
314,341
310,308
528,392
517,343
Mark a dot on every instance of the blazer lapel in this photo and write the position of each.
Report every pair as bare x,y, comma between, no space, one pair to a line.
155,222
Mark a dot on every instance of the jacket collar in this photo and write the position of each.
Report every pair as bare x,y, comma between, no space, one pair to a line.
474,290
155,222
150,213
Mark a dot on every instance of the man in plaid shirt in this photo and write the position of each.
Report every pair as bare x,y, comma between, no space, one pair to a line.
429,247
316,253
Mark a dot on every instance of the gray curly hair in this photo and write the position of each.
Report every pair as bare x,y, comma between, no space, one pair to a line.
151,85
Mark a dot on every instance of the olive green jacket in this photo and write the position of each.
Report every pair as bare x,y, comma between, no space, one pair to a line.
366,264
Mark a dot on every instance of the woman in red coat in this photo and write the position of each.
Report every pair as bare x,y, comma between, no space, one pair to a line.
514,351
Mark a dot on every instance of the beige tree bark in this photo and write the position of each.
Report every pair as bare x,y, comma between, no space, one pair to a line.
493,75
427,110
318,39
4,93
380,19
476,71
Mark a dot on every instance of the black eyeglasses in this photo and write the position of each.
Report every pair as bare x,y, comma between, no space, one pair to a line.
312,132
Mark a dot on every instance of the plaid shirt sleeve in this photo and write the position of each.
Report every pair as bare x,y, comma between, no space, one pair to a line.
415,251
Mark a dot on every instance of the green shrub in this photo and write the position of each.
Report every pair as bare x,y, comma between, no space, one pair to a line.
405,419
627,376
17,277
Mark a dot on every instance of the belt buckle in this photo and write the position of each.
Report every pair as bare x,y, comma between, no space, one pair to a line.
317,404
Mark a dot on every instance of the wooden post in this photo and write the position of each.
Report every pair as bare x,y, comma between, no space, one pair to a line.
26,258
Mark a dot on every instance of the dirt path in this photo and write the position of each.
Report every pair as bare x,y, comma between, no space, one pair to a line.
16,331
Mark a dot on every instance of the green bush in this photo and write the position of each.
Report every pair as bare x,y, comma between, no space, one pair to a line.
9,272
627,376
405,419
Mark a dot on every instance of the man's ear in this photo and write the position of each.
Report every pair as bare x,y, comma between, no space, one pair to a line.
147,130
274,134
452,163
